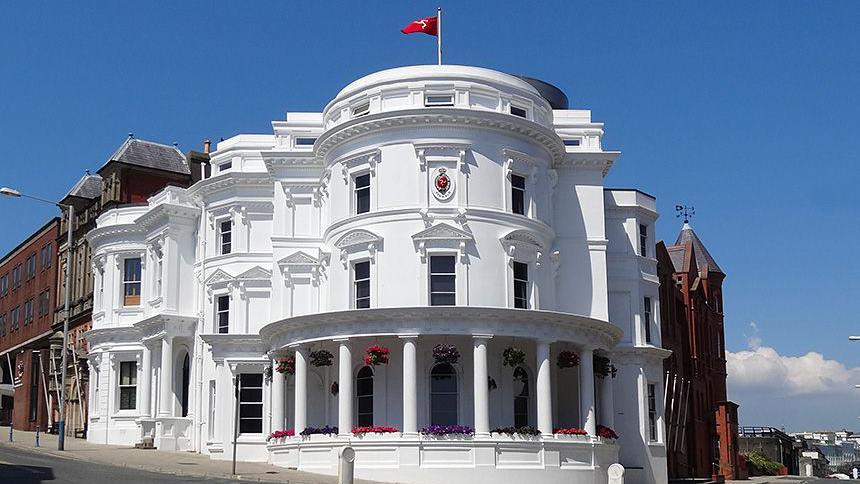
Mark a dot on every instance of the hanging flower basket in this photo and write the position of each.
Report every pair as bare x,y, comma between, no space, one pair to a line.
491,383
321,358
445,353
335,388
286,364
511,431
606,432
376,355
318,431
603,368
277,434
569,431
442,430
360,431
567,359
513,356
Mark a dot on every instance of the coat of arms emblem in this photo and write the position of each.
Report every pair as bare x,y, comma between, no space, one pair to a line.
443,185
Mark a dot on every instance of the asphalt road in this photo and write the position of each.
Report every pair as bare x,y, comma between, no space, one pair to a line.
24,467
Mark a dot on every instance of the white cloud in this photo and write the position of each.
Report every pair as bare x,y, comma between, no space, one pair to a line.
763,368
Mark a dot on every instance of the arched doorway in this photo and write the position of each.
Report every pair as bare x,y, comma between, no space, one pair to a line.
186,382
364,397
443,395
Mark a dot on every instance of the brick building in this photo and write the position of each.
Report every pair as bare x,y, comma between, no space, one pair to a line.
28,276
701,425
134,172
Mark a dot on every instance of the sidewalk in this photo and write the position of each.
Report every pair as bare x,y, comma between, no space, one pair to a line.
176,463
772,480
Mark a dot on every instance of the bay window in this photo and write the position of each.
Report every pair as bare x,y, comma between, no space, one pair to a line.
131,282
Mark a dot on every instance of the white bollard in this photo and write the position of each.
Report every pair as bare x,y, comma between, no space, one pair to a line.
616,474
346,465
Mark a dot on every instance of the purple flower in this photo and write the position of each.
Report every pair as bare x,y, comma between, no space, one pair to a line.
447,430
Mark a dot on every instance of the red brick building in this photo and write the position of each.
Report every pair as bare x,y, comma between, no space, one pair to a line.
28,279
701,425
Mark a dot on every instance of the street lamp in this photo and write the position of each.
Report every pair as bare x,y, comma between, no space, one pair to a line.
70,211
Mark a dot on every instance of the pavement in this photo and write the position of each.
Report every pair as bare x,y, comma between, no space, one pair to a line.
22,458
782,480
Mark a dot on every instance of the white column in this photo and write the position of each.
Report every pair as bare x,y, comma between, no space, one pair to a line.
165,401
301,391
345,392
410,385
607,402
278,403
586,390
544,388
146,381
480,387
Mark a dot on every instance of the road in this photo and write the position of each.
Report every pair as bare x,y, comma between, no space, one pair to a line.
19,466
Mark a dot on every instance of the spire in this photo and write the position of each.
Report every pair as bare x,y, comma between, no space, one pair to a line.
703,257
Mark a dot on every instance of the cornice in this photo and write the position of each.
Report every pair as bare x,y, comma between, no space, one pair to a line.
228,181
639,355
234,345
98,234
115,335
161,325
456,117
169,212
590,160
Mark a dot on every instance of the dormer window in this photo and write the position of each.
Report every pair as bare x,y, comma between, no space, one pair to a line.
305,141
439,100
572,142
361,110
519,111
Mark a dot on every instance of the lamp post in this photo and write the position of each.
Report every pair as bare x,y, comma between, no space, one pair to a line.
70,211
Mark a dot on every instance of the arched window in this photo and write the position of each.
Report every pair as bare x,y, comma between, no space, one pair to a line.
186,382
521,397
443,395
364,396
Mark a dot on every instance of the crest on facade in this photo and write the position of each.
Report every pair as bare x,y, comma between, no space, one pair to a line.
443,184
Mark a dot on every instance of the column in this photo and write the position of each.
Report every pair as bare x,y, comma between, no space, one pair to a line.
544,388
586,390
607,403
165,401
481,388
410,385
278,384
345,392
301,391
146,382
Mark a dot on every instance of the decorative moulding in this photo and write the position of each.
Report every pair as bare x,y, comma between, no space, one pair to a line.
358,239
523,244
430,151
441,236
354,161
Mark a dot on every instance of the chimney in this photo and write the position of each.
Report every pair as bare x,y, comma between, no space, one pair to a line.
207,146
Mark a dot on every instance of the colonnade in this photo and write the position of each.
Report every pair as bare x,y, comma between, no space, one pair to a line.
481,398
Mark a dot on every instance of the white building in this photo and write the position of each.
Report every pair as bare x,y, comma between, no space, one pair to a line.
425,205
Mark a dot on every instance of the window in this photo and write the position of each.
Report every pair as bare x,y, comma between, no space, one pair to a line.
646,316
14,317
521,397
35,359
305,141
16,276
437,100
186,380
643,240
225,166
364,396
131,282
45,256
518,194
652,412
443,395
361,284
2,325
443,290
361,110
31,266
222,316
127,385
28,312
251,403
362,193
572,142
44,299
4,285
521,285
159,271
226,235
518,111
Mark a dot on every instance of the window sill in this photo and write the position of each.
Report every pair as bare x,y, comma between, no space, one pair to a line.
126,414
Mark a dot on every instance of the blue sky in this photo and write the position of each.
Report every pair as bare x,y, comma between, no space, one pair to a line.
747,110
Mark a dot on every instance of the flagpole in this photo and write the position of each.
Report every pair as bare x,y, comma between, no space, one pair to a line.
439,33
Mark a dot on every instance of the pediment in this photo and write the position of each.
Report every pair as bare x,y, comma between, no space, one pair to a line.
357,237
218,276
255,273
299,258
521,237
442,231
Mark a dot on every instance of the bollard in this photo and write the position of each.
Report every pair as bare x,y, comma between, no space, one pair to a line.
346,466
10,431
37,436
616,474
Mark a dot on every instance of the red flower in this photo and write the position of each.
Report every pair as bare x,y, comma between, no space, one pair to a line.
570,431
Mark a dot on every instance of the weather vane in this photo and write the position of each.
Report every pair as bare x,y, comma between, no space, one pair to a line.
685,211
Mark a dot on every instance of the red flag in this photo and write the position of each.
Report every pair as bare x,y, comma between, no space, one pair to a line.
426,25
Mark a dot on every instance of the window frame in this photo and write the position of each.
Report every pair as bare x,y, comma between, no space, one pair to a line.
122,387
519,282
4,284
646,318
517,191
246,404
222,312
127,283
456,393
651,401
15,318
31,266
520,396
357,302
431,274
573,142
28,311
643,240
358,397
362,109
519,108
303,141
364,190
221,233
225,167
437,103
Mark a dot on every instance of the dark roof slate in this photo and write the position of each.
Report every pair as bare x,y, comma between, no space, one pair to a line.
151,155
677,256
703,257
89,187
